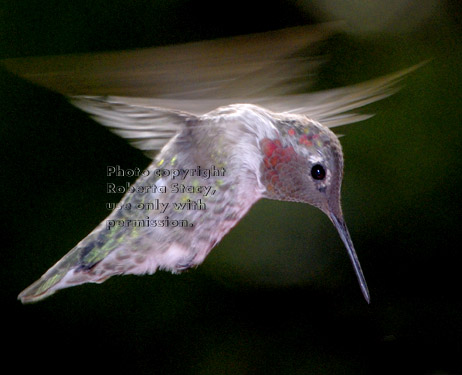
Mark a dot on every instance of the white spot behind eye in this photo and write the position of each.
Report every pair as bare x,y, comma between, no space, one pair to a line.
315,159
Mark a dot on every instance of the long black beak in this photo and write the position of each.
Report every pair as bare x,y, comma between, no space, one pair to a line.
345,236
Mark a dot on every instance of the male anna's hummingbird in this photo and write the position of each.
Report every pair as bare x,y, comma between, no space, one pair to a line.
211,168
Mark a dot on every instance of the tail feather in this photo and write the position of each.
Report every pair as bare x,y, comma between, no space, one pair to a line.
53,279
80,265
75,268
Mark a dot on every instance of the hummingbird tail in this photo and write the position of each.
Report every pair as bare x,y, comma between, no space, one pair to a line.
69,271
53,279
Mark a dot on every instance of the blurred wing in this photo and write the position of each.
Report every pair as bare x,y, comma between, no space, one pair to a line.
229,67
146,128
332,107
262,69
148,124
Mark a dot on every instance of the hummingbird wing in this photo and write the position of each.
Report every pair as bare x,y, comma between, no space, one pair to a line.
234,66
262,69
146,128
148,123
333,107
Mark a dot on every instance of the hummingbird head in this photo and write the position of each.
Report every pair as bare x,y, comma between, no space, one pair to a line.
304,163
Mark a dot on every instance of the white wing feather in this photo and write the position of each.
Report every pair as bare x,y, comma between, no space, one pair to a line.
149,123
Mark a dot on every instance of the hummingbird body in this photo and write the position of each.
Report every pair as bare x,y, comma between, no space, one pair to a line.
257,154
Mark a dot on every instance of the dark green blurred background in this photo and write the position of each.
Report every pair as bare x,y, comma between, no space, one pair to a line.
278,295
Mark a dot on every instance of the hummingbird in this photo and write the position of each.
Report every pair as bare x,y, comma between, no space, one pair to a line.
209,167
240,152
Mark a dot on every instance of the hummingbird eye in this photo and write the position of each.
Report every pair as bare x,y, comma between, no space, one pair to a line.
318,172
